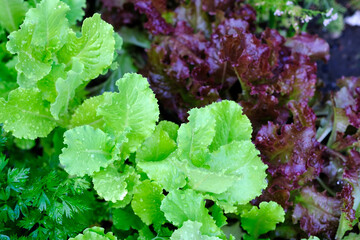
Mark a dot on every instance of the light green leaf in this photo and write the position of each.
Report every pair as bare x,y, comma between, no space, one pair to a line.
344,225
169,127
94,49
76,12
351,236
12,14
132,180
146,203
156,147
66,90
26,114
240,159
180,206
95,233
234,173
85,114
195,136
43,32
110,184
231,124
47,84
261,220
316,238
203,180
218,214
166,173
25,144
87,150
191,230
134,109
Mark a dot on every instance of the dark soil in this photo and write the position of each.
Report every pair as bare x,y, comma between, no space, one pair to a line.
344,57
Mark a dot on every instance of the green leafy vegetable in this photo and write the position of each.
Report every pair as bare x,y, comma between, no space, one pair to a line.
260,220
87,150
44,32
12,14
76,12
94,49
26,114
191,230
133,110
180,206
95,233
146,203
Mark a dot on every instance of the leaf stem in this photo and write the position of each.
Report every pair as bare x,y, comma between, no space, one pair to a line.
323,185
242,84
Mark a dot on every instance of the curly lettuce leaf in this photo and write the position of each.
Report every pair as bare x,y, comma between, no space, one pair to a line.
234,173
76,12
146,203
165,172
180,206
230,175
261,220
66,90
26,115
218,214
85,114
94,49
95,233
352,236
132,180
47,85
195,136
169,127
12,14
134,109
44,32
110,184
191,230
229,120
156,147
317,213
87,150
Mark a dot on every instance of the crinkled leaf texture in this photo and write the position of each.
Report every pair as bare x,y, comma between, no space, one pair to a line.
25,114
87,150
95,233
94,49
133,110
317,213
180,206
131,177
110,184
215,154
44,31
191,230
260,220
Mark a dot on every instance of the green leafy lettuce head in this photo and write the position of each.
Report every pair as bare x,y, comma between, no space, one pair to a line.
214,156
